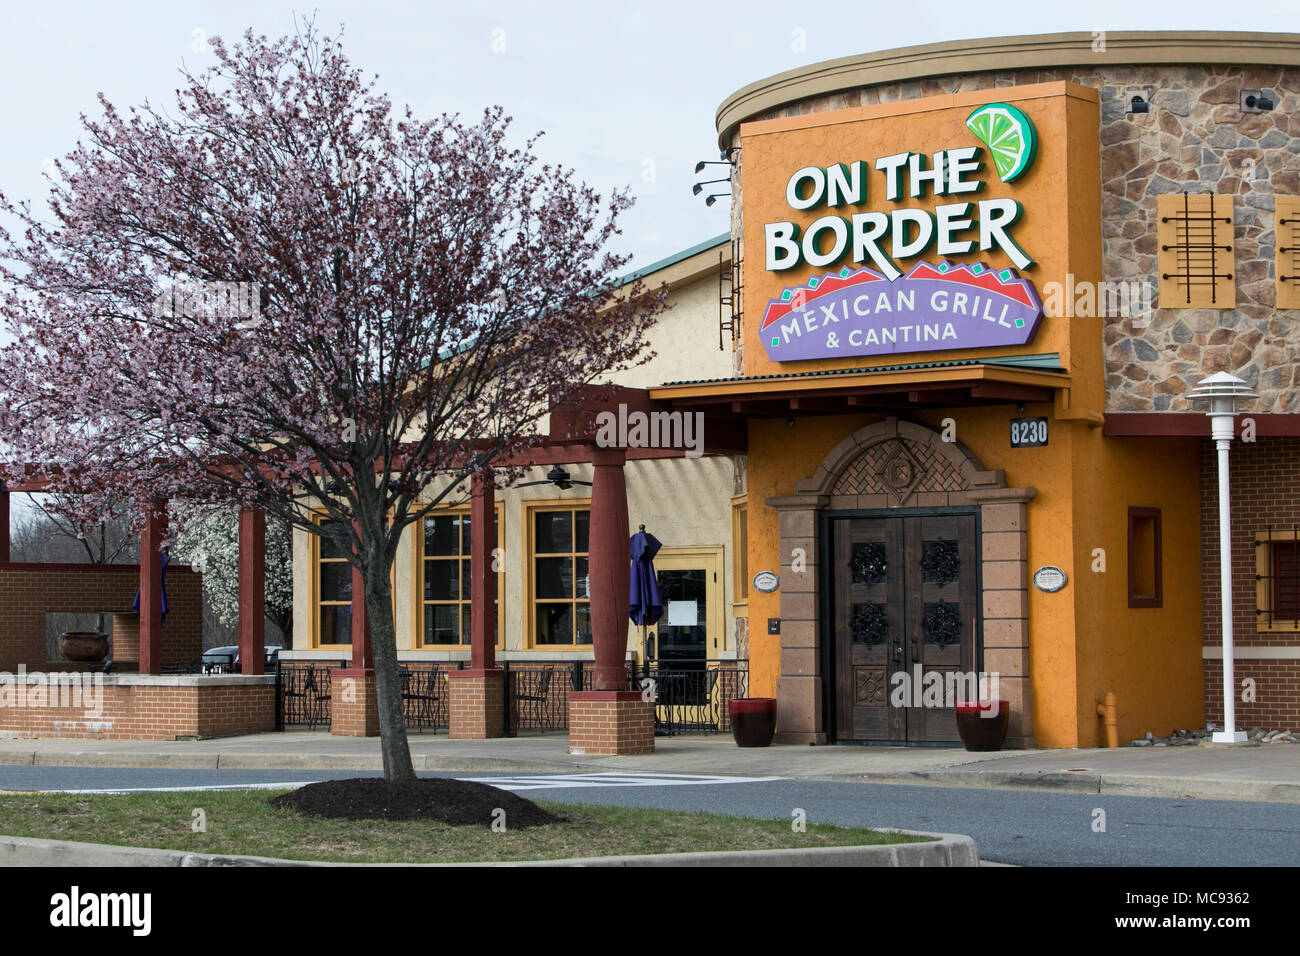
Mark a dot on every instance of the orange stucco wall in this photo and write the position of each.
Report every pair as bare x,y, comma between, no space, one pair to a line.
772,150
1084,640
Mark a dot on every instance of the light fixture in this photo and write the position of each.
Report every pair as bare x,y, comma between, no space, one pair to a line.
1257,101
709,201
1223,392
1138,99
699,167
699,187
556,476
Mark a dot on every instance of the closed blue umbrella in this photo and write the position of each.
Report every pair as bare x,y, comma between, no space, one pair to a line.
644,606
166,559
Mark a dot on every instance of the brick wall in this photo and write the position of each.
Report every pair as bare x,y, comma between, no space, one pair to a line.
29,591
1277,694
1265,490
164,708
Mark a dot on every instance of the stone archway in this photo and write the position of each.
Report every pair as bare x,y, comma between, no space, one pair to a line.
896,463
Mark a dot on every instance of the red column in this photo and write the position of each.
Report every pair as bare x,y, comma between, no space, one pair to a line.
608,568
151,539
362,658
252,589
483,580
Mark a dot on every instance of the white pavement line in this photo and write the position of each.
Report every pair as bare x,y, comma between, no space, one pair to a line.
565,781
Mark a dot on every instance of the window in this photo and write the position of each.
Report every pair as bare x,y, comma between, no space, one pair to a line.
740,554
557,559
332,585
442,555
1145,587
1277,576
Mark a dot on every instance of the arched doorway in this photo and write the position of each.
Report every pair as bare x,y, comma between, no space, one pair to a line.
904,563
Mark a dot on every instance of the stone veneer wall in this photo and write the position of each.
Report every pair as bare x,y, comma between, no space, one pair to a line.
1193,139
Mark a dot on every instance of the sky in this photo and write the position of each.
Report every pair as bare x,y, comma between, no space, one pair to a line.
625,93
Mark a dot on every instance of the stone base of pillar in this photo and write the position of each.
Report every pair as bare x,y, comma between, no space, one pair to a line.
354,703
476,703
609,722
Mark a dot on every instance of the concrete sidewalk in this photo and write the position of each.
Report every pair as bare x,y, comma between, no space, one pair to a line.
1267,773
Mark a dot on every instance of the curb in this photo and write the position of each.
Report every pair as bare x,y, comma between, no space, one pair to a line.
1206,788
944,850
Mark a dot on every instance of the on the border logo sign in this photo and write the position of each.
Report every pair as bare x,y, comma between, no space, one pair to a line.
872,305
932,308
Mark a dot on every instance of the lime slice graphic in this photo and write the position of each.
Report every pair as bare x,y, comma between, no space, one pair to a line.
1009,135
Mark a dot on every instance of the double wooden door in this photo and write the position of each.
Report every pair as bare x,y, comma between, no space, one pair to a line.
905,625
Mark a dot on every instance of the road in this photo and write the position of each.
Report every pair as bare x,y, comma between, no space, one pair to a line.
1022,827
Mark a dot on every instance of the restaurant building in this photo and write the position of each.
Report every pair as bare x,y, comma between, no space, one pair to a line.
975,284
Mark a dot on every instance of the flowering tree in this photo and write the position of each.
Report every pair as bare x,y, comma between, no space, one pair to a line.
282,294
209,542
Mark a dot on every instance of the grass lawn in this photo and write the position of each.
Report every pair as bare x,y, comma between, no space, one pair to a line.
243,822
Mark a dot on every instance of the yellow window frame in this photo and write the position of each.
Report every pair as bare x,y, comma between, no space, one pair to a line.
530,510
418,604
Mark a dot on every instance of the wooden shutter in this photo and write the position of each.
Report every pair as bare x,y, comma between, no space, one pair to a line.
1195,235
1286,232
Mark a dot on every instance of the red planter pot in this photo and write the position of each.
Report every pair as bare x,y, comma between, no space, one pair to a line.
753,720
983,724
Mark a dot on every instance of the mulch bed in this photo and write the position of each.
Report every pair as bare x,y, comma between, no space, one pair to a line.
457,802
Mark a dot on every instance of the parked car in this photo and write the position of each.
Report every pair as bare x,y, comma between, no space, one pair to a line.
225,659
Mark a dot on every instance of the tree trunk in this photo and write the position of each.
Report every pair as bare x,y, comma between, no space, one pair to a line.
383,637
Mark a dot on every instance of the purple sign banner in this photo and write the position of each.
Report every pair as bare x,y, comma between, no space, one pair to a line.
932,308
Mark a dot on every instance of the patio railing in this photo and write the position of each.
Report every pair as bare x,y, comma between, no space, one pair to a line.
690,697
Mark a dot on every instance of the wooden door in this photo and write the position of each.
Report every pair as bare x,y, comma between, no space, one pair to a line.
905,625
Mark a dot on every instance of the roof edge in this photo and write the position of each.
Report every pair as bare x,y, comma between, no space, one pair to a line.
677,257
977,55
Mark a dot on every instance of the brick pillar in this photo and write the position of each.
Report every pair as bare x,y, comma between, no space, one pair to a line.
608,569
252,589
151,538
476,703
609,722
354,711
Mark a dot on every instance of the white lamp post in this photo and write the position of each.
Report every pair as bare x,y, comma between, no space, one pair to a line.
1223,392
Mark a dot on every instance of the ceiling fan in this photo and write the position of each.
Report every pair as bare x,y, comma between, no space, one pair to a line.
556,476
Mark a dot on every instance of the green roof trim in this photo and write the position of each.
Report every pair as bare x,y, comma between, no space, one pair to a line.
675,258
1044,362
